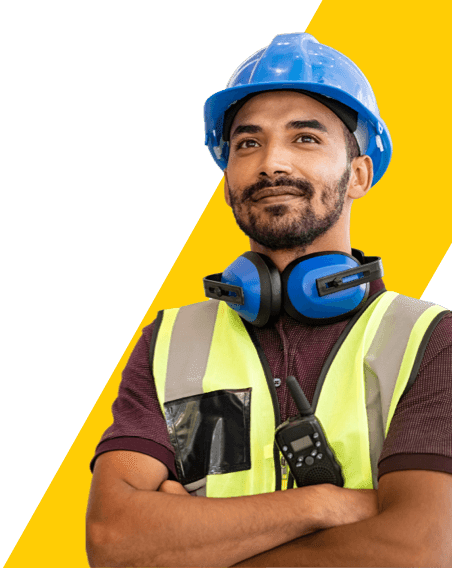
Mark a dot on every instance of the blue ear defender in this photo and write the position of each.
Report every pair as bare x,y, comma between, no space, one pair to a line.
251,286
316,289
324,287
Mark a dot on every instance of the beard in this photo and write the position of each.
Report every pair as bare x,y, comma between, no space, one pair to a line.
283,226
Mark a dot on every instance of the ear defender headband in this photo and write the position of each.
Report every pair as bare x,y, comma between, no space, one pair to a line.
319,288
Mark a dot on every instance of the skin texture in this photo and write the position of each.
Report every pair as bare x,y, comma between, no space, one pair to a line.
413,528
397,492
137,517
314,158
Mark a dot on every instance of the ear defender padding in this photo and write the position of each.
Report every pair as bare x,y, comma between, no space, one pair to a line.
260,280
303,298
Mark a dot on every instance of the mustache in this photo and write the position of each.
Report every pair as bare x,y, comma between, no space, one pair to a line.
305,187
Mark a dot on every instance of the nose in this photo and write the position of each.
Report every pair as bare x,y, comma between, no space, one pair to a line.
275,162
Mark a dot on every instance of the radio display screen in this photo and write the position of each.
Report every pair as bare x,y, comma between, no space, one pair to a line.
301,444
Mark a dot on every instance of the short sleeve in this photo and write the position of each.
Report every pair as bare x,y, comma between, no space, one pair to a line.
138,422
420,434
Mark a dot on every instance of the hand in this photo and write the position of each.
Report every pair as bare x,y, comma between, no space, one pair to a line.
174,487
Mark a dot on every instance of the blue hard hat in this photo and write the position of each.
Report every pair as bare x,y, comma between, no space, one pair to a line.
299,62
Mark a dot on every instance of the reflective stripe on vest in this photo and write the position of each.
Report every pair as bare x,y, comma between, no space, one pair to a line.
205,348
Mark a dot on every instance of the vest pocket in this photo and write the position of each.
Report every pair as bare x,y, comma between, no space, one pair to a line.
210,433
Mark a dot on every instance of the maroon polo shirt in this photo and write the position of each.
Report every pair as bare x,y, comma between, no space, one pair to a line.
420,434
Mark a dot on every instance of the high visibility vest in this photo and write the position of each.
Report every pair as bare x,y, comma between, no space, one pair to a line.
217,394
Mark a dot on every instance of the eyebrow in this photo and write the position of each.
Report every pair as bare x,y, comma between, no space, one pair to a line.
292,125
315,124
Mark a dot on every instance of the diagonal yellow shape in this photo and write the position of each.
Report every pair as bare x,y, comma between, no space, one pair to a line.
404,53
404,219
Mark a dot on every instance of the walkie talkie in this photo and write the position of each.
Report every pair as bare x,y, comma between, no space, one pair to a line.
304,446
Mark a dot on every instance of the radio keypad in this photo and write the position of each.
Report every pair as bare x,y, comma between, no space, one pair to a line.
309,460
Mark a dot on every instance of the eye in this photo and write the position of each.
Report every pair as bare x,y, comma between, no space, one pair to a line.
309,138
248,143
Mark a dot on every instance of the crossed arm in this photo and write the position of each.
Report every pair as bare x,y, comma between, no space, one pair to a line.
131,523
413,528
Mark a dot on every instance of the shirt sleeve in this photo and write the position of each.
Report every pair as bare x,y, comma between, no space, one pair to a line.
420,434
138,422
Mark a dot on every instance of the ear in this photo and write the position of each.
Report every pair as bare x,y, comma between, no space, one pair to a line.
361,177
226,188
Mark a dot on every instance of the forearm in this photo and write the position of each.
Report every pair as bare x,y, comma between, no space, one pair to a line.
157,529
384,540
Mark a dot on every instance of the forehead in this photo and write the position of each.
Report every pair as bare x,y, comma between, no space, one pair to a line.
279,106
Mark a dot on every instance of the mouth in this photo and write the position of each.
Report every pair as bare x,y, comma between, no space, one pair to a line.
277,194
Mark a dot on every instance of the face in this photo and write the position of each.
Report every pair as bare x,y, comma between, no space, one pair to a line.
288,171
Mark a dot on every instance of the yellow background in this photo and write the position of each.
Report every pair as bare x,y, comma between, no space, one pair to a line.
405,219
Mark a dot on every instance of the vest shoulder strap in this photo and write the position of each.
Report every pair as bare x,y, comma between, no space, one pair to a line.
377,361
398,346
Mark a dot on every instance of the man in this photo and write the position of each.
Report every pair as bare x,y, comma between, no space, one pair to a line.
300,137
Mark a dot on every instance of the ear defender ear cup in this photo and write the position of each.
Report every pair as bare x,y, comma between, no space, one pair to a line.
301,297
261,283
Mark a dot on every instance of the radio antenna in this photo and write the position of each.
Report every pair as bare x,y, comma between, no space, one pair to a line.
304,408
